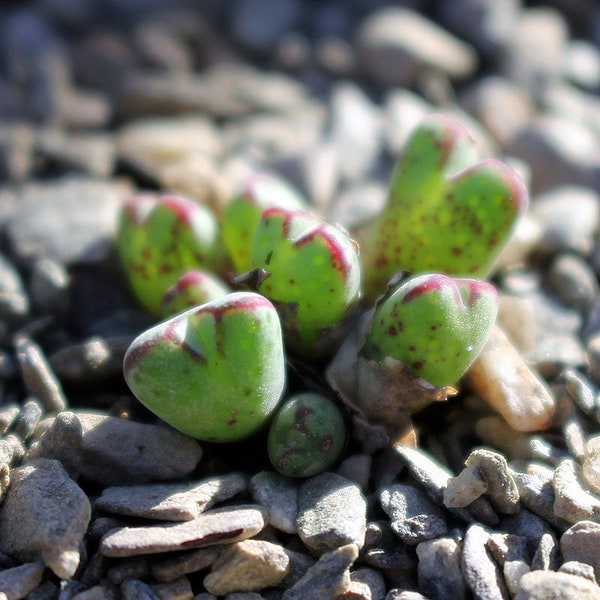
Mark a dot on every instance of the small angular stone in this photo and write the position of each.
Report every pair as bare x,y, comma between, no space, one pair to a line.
44,516
39,379
121,452
331,513
574,500
170,501
19,581
63,441
431,475
465,488
538,496
134,589
247,566
178,589
28,419
510,552
189,562
327,578
217,526
365,584
581,542
439,569
481,573
546,555
501,487
414,517
580,569
544,585
279,496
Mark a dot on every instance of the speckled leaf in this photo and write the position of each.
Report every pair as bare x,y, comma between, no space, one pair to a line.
434,324
215,372
314,274
445,212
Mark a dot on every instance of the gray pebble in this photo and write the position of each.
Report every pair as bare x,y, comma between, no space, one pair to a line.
121,452
431,475
67,220
404,110
582,64
383,551
355,131
529,525
63,441
180,588
247,566
44,517
8,415
96,359
481,573
592,351
573,281
534,52
538,496
331,513
357,468
259,24
213,527
299,564
581,390
439,569
135,568
397,45
574,500
501,487
327,578
14,303
49,287
134,589
559,152
465,488
91,153
398,594
578,568
581,542
414,517
28,419
46,591
279,496
182,564
555,353
486,25
365,584
569,217
38,377
501,105
19,581
182,501
511,554
546,556
545,585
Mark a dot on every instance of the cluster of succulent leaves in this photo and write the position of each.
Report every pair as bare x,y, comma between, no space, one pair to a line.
268,280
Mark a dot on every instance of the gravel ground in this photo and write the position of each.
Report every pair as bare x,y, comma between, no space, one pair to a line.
98,99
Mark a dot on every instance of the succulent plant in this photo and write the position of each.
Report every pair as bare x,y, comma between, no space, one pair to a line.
159,238
192,289
435,324
313,276
445,212
215,372
242,213
306,436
